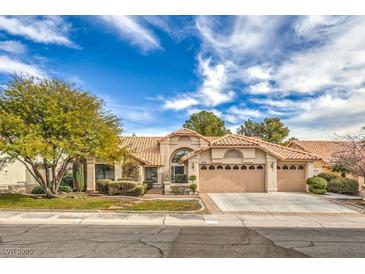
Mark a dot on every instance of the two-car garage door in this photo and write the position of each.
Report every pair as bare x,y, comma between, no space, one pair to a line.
231,178
249,178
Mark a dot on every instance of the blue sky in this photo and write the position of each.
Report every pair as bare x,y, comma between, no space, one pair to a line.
154,71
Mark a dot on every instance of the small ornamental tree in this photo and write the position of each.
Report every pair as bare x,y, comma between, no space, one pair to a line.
47,124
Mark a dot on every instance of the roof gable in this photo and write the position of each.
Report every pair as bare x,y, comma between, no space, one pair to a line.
184,132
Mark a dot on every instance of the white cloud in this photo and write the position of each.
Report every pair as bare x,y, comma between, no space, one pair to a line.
258,72
261,88
13,47
12,66
129,28
180,103
47,30
237,115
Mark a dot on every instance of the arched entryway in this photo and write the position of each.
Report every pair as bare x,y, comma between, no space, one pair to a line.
175,166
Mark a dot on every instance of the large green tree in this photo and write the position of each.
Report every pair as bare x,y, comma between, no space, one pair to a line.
206,123
271,129
48,124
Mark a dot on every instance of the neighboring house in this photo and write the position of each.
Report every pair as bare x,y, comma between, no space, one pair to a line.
12,174
325,150
232,163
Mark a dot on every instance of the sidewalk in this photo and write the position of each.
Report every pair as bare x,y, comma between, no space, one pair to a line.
150,219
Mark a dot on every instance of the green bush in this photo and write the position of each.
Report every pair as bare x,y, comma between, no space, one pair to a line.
67,180
178,190
136,191
192,178
317,185
66,189
144,187
120,188
317,190
328,176
317,182
149,184
102,185
126,179
343,185
193,187
38,190
180,179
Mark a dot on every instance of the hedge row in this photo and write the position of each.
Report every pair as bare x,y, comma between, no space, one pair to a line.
128,188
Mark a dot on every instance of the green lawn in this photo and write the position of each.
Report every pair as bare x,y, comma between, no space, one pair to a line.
83,202
162,205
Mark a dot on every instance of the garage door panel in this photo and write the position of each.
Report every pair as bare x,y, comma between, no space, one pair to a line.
217,181
291,180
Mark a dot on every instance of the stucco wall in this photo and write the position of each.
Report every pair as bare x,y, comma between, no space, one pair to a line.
12,173
216,156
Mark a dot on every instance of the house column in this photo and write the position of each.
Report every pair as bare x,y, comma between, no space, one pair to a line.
309,172
271,175
90,174
117,171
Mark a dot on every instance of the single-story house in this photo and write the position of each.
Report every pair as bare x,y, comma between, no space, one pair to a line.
231,163
325,151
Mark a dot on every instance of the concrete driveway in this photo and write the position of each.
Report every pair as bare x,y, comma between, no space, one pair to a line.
279,202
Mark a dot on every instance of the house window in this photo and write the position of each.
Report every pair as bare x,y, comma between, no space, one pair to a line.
150,174
260,167
203,168
285,167
236,167
178,155
252,167
219,167
244,167
104,172
300,167
278,167
293,168
227,167
211,168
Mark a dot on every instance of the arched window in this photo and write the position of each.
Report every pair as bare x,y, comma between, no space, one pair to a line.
227,167
184,139
244,167
211,168
232,154
178,155
219,167
278,167
203,168
252,167
260,167
236,167
300,167
293,167
285,167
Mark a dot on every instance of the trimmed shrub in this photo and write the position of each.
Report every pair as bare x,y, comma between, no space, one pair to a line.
126,179
136,191
192,178
343,185
179,190
38,190
149,184
120,188
328,176
317,185
193,187
102,185
66,189
67,180
317,182
317,190
180,179
144,187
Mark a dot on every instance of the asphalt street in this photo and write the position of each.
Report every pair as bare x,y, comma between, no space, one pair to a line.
179,242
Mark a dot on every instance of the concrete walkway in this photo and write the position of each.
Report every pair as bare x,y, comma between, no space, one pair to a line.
277,202
149,219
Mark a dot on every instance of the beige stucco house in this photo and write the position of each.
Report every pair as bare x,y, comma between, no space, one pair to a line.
232,163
